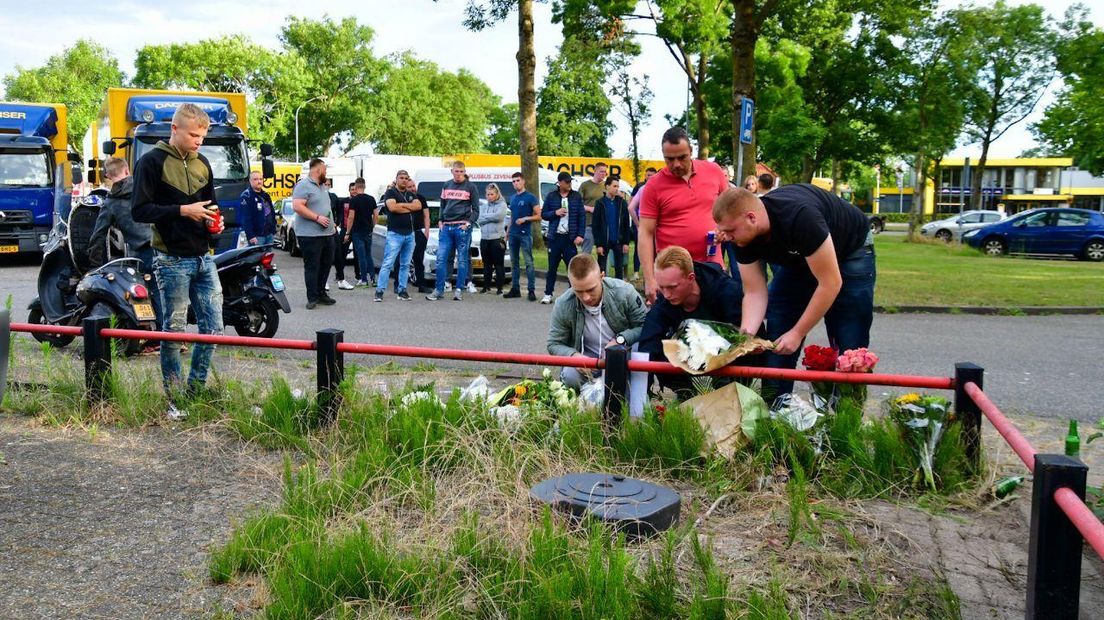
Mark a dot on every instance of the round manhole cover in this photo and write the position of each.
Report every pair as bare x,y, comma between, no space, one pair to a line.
634,506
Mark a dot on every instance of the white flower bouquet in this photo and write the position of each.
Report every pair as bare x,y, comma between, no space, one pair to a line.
704,346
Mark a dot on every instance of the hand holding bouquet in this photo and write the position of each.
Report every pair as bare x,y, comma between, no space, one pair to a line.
703,346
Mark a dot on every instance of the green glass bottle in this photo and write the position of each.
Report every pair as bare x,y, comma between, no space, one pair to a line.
1073,440
1006,486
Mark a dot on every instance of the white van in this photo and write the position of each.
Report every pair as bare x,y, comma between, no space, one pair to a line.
342,170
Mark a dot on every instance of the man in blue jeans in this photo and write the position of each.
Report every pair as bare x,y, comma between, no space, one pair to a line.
566,215
459,211
822,255
401,205
524,210
173,190
362,224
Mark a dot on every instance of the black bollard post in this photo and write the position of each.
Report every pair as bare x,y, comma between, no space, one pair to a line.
967,411
97,357
331,372
616,384
1054,551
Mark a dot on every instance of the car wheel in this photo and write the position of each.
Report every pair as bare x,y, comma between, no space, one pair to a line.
293,245
943,235
1094,251
877,225
994,247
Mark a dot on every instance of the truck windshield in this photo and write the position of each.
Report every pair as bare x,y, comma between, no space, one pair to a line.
25,169
229,161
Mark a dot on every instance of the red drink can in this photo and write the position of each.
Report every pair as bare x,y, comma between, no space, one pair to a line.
216,221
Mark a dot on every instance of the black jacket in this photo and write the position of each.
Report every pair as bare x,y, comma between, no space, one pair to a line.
115,213
624,223
163,180
722,298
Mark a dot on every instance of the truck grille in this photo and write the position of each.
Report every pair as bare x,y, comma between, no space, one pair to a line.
15,218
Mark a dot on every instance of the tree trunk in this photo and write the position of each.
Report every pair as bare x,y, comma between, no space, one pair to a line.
978,172
527,103
836,176
917,210
635,126
744,34
701,111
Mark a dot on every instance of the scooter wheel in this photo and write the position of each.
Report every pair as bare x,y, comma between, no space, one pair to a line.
54,340
263,320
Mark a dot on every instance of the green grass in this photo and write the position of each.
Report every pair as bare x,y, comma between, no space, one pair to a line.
937,274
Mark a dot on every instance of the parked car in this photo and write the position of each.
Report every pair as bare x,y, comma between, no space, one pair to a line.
1079,232
285,236
952,228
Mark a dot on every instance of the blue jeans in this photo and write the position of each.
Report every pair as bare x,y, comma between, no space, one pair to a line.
265,239
180,280
362,249
847,321
560,248
522,245
452,238
398,246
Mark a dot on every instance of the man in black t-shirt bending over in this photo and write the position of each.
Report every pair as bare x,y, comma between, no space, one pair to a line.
822,255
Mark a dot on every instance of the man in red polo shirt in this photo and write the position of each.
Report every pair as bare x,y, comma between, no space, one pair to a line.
677,207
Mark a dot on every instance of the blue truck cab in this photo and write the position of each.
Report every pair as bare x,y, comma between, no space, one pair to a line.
132,121
33,143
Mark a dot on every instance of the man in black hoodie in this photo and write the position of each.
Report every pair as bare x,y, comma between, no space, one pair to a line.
174,190
689,290
115,213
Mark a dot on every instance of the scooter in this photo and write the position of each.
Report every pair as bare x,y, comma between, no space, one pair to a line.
69,291
252,291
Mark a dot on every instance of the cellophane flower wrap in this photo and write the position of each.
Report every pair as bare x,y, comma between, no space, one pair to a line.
703,346
922,420
550,394
822,359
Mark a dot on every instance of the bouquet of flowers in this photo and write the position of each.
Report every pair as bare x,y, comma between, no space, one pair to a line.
547,392
703,346
922,420
826,393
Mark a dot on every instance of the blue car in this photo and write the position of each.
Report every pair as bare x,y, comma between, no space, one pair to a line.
1079,232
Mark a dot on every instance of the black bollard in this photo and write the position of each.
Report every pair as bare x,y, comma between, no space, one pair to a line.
331,372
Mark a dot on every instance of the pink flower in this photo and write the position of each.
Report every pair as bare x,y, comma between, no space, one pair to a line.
857,360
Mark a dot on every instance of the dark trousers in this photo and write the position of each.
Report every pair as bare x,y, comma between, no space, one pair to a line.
318,255
560,248
341,250
847,321
419,258
494,259
636,249
618,261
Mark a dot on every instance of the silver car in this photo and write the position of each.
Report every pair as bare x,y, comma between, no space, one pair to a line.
952,228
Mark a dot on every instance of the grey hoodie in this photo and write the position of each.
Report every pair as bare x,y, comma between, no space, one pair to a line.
492,220
115,212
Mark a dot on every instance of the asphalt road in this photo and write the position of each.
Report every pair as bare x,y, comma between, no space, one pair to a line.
1047,366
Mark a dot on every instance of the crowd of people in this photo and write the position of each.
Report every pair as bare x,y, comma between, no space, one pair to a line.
682,221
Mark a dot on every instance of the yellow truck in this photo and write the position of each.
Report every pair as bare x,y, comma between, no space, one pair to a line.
132,121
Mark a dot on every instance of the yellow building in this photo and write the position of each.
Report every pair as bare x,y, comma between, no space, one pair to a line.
1009,185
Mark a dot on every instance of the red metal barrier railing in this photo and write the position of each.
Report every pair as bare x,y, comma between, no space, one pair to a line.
240,341
1092,530
34,328
1020,445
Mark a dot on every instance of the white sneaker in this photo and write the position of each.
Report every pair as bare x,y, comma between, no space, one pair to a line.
327,286
471,288
344,285
174,414
448,286
547,299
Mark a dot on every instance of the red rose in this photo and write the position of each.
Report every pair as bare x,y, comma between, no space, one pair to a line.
820,358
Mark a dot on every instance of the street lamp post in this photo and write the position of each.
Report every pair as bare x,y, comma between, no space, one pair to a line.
297,160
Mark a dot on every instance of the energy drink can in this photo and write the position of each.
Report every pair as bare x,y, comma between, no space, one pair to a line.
711,243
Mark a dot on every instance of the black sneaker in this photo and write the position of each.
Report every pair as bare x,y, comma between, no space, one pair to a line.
379,296
326,300
484,291
311,305
403,295
512,294
532,296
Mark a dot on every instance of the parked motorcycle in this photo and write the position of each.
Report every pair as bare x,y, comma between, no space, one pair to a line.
69,291
252,291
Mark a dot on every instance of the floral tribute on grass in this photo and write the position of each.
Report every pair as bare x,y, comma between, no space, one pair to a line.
826,359
922,420
704,346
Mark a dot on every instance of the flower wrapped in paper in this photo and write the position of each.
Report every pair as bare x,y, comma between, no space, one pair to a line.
704,346
922,421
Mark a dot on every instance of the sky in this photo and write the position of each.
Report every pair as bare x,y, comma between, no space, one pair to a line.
432,30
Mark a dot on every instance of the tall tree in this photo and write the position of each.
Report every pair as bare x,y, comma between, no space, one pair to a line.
347,74
484,13
274,81
1015,48
573,103
1074,123
77,77
410,115
693,31
633,101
